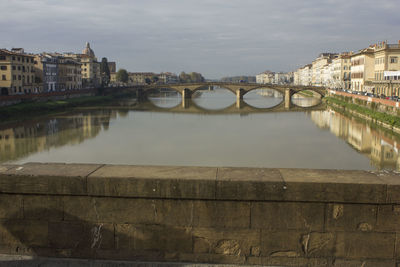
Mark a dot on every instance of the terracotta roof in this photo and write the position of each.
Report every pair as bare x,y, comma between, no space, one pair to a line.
7,52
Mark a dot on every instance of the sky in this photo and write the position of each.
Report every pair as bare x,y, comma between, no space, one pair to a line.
217,38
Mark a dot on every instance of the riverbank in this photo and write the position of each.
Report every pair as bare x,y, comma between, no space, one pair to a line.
29,109
368,113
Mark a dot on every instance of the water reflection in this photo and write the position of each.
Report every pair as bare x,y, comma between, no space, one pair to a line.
156,137
165,99
19,141
263,98
381,147
305,101
216,99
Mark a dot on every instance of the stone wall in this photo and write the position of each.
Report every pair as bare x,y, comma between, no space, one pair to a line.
290,217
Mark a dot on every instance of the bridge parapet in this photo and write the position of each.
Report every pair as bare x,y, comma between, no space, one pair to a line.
200,214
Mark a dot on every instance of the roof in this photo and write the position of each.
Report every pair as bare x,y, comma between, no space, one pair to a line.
10,53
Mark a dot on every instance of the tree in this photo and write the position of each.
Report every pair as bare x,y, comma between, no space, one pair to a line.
122,76
192,77
147,81
104,71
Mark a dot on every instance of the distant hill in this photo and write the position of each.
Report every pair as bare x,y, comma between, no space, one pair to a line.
249,79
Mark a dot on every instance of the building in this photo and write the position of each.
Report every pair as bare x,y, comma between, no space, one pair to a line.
90,67
304,75
167,77
317,66
362,70
341,71
58,73
17,72
46,71
112,66
69,74
139,78
265,77
386,69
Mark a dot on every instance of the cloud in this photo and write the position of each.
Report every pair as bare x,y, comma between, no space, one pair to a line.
215,37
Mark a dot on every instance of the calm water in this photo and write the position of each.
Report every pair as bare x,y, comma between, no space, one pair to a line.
209,131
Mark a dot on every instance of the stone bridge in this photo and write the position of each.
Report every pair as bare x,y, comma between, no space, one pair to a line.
239,89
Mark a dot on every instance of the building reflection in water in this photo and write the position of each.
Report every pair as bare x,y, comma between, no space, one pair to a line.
19,141
380,146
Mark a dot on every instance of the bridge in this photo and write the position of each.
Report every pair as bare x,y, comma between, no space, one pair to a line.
239,89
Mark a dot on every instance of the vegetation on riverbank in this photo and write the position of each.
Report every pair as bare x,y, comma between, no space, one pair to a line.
375,115
27,109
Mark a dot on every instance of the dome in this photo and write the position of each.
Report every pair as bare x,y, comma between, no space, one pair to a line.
88,51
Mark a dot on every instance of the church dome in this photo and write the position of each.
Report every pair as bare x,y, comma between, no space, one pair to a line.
88,51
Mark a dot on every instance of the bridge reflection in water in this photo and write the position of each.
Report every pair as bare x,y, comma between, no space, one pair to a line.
172,102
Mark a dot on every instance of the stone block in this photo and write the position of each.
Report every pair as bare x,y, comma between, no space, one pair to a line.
173,212
249,184
281,244
110,210
392,180
153,181
10,206
287,216
5,167
81,236
162,238
356,245
351,217
225,214
48,208
333,186
388,218
28,233
296,244
51,178
239,242
212,258
295,262
363,263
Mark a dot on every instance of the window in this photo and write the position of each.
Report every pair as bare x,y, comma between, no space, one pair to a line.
2,57
3,67
14,77
393,59
3,77
14,68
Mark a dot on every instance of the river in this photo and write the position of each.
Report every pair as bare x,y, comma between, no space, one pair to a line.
210,130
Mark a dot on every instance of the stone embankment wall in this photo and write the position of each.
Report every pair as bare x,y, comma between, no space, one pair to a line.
381,105
16,99
289,217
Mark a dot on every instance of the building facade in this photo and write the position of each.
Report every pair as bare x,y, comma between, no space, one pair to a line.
362,70
265,77
317,66
341,72
387,63
17,73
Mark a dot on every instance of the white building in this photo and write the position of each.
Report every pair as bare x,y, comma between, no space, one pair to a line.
265,77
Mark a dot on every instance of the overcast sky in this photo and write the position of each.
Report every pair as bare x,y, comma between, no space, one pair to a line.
215,37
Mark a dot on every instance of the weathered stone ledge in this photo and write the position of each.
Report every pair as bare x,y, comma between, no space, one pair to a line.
205,183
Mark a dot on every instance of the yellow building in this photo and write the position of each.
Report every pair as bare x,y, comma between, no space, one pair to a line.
139,78
90,67
387,59
17,72
362,69
69,74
